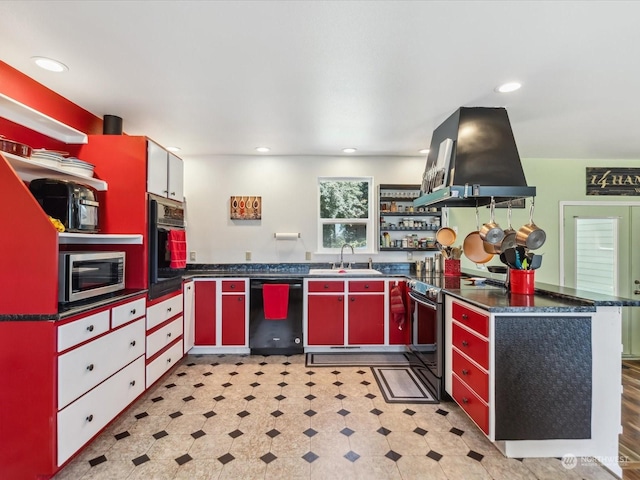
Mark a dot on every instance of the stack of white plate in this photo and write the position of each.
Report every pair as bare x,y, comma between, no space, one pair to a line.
77,166
48,157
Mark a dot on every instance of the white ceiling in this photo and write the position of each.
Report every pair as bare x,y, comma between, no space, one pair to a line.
312,77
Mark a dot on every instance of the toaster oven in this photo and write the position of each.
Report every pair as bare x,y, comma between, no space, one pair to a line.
74,204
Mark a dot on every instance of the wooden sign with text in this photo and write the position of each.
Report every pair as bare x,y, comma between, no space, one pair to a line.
613,181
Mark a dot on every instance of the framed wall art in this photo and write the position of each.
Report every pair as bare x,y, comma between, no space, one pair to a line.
245,208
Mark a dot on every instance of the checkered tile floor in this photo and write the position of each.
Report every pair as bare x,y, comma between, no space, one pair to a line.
254,417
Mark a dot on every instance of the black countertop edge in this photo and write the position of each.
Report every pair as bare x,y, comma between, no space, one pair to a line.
298,269
69,310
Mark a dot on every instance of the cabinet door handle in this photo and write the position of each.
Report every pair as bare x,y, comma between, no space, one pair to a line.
132,383
169,309
173,194
240,299
90,328
133,343
90,367
326,286
189,287
133,312
353,299
465,400
90,418
465,372
169,334
465,343
366,285
339,299
168,360
465,316
232,286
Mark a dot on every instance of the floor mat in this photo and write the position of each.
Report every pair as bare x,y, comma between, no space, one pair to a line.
356,359
402,385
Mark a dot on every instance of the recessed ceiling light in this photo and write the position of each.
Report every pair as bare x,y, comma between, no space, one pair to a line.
349,150
50,64
508,87
424,150
263,149
174,149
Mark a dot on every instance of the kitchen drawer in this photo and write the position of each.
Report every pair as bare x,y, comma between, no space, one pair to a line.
129,311
475,378
164,362
163,311
163,337
471,345
472,404
85,417
83,329
326,286
85,367
366,286
471,319
233,286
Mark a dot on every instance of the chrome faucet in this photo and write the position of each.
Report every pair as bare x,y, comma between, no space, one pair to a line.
342,253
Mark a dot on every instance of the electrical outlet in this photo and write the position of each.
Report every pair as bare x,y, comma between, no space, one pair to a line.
192,256
409,255
307,256
247,256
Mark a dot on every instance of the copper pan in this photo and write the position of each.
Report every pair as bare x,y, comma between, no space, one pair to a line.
445,235
473,246
530,235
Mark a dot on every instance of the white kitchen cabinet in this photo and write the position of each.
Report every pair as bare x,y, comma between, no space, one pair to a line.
164,362
83,368
85,417
165,173
188,293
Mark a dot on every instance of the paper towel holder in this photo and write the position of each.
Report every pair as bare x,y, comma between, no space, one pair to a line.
286,236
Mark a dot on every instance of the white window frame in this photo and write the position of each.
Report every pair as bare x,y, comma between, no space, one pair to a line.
368,222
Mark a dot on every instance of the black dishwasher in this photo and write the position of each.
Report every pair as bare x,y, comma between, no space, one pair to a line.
278,333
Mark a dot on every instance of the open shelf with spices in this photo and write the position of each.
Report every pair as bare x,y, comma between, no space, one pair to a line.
403,227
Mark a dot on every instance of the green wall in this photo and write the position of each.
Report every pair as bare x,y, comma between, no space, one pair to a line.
555,180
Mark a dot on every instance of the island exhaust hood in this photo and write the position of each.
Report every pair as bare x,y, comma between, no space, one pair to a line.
473,157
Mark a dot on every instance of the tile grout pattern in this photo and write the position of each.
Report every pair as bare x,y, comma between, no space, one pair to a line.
255,417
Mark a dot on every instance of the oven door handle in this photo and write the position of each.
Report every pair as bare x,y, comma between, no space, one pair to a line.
421,301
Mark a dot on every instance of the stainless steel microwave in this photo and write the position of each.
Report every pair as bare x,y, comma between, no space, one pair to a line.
83,275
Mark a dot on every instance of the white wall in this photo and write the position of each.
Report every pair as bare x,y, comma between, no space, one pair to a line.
288,187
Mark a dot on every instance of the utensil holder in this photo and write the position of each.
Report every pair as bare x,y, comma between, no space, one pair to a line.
522,282
451,267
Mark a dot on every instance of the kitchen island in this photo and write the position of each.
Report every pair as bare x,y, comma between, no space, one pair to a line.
539,374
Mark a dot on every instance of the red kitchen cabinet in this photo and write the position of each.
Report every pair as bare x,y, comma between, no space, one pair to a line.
234,319
325,319
366,319
205,312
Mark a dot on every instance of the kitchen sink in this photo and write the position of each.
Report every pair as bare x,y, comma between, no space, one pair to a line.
344,271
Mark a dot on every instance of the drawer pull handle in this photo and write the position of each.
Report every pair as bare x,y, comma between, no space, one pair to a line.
233,286
366,285
339,299
169,309
326,286
90,328
133,343
90,367
90,418
465,372
169,334
133,312
465,400
132,383
465,343
189,287
353,299
240,299
168,360
465,316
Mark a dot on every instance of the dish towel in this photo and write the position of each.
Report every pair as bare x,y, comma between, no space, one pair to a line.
397,307
275,298
177,246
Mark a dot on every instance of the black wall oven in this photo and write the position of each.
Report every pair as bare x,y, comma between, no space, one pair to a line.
427,335
164,215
